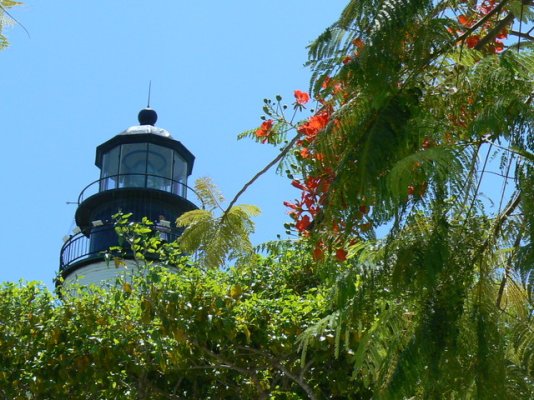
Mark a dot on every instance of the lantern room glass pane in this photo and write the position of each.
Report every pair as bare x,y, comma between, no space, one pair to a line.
159,167
179,175
110,169
133,165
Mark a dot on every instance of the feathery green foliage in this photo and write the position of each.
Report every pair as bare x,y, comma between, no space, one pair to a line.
418,106
6,19
213,237
427,107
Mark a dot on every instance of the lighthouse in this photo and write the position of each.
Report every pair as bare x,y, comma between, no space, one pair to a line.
143,171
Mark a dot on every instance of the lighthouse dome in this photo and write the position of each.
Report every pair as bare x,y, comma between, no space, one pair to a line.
147,120
143,129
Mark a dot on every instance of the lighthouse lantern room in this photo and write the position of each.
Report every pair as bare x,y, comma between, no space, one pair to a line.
143,171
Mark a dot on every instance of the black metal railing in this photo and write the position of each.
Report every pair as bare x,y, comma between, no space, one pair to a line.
80,248
77,249
145,181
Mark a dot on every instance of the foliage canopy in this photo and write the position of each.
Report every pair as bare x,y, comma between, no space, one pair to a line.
418,103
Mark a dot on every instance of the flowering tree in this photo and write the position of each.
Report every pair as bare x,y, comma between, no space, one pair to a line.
419,105
415,104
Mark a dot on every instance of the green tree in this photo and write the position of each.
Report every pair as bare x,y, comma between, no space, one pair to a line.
200,333
418,104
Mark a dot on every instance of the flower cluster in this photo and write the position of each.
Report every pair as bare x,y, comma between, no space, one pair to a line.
314,191
314,125
315,183
265,130
481,10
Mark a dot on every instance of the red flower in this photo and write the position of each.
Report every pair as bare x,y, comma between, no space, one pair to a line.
347,60
503,34
298,185
305,153
472,41
358,43
291,205
301,97
462,19
312,182
265,129
315,124
499,46
341,254
303,223
318,252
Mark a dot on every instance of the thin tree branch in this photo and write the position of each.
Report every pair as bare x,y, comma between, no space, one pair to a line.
522,35
276,364
223,363
482,21
259,174
503,23
14,19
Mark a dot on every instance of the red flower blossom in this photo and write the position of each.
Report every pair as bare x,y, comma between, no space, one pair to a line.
318,252
462,19
347,60
265,130
291,205
315,124
358,43
503,34
303,223
472,41
298,185
341,254
301,97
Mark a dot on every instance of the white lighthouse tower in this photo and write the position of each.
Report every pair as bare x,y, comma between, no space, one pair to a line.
143,171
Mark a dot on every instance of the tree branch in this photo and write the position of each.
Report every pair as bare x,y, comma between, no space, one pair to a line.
503,23
522,35
482,21
223,363
264,170
276,364
4,10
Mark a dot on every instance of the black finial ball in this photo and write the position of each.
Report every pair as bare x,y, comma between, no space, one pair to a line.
147,116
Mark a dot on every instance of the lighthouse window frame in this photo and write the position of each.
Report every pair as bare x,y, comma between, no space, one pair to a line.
133,165
110,169
159,167
179,175
110,158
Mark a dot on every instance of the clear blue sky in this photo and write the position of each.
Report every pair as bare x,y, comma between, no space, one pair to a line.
82,76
